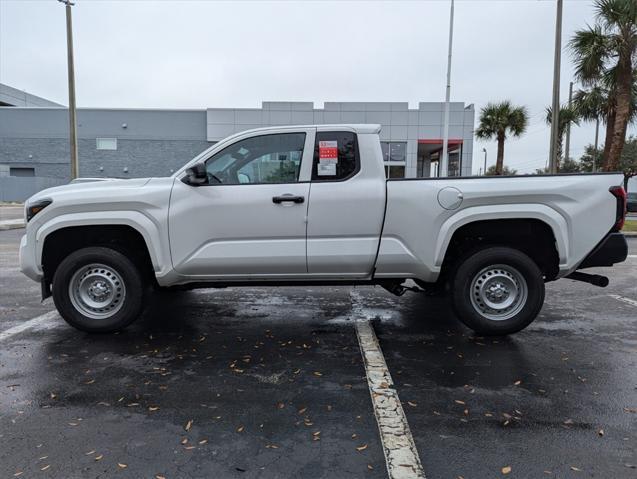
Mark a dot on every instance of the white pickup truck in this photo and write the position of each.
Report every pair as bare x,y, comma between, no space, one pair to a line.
306,205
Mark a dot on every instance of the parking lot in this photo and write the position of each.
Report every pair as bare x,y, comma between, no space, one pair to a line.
260,382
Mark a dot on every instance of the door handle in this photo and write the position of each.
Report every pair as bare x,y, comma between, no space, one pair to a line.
288,197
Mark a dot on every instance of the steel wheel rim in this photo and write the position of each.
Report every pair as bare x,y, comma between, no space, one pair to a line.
498,292
97,291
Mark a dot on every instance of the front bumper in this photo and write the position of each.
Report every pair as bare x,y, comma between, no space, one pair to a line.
613,249
28,263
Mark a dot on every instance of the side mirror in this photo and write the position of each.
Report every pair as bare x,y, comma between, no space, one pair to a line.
196,175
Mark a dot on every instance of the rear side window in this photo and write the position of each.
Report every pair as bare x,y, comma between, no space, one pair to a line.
335,156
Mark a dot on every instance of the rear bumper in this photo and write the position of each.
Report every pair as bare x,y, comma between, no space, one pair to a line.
613,249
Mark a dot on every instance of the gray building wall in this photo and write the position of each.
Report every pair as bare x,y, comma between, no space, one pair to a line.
13,97
149,142
399,123
156,142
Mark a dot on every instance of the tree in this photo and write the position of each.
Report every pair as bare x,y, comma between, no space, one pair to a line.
506,171
569,165
607,53
497,120
591,159
596,105
566,116
627,162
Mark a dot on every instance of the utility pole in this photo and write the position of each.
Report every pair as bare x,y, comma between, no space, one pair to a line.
71,76
555,118
567,146
444,160
596,143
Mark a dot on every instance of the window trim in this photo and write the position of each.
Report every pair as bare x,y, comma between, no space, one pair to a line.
357,158
297,182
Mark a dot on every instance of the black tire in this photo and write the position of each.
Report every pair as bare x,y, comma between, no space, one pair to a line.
511,273
118,276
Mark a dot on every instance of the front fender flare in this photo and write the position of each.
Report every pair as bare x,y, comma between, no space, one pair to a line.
158,252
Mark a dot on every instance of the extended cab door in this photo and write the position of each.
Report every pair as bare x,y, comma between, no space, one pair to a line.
347,204
249,219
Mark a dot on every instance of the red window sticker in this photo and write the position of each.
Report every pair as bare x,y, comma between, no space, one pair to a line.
328,150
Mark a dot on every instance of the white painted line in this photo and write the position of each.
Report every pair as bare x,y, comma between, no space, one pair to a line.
632,302
400,451
632,255
45,320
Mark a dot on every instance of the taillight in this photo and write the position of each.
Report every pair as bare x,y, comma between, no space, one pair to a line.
620,194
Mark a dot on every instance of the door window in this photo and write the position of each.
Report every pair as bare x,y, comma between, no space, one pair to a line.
260,159
335,156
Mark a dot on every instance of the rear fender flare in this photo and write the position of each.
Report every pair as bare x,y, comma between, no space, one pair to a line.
552,218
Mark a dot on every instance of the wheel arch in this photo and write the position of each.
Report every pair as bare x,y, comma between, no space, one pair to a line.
534,236
136,234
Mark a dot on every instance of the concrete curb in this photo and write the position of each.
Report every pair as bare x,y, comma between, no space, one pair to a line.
11,224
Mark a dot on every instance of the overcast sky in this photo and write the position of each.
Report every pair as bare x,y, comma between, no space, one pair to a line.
198,54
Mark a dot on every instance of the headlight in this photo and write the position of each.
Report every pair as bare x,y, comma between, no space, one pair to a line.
34,208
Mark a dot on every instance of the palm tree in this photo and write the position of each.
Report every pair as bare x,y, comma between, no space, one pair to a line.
497,120
596,105
607,53
566,116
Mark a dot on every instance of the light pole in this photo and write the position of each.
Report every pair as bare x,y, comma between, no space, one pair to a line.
485,161
444,163
555,118
71,76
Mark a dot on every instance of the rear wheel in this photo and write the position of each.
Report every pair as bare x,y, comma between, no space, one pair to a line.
98,290
497,291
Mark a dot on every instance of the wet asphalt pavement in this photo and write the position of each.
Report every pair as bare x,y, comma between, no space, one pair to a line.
266,382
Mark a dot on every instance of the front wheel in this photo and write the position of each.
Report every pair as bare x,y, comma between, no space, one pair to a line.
98,290
497,291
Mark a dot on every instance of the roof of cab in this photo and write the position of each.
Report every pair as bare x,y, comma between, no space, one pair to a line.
357,127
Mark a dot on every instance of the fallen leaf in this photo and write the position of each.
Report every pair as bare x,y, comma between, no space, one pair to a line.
506,470
188,425
412,404
517,383
159,476
19,473
153,408
361,448
45,467
302,410
98,458
370,467
240,429
280,405
203,441
122,465
89,453
316,373
573,468
458,401
600,432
